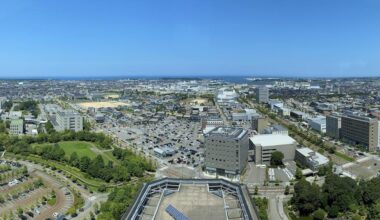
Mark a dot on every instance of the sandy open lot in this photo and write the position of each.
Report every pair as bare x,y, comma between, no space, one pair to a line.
103,104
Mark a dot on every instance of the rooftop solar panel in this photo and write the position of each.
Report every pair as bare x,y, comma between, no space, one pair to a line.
177,215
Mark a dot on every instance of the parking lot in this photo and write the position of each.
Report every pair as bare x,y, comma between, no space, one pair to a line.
180,135
39,195
256,175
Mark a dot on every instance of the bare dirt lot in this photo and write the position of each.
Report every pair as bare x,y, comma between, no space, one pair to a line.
109,104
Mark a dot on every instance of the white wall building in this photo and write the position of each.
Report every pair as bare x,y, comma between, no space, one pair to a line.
69,120
264,145
318,124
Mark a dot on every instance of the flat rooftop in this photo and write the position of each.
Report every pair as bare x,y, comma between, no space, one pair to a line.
228,132
195,202
196,199
266,140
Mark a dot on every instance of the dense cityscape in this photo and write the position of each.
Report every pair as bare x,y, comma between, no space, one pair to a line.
189,110
154,148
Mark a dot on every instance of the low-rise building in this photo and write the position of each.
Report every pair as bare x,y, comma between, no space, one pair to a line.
264,145
318,124
310,159
276,129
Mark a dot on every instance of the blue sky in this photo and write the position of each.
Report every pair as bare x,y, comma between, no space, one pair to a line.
189,37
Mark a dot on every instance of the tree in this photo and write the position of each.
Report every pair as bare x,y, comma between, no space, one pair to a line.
319,215
287,189
298,174
276,158
84,163
74,159
256,190
306,197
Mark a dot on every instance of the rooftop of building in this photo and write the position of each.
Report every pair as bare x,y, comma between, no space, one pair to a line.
17,122
196,199
229,132
315,156
272,140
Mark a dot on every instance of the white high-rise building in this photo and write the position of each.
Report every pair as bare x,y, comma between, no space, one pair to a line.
69,120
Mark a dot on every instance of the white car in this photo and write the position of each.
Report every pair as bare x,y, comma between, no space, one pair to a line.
55,214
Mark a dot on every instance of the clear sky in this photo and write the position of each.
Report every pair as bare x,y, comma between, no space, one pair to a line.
185,37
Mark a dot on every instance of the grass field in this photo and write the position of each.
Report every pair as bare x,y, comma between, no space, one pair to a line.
83,148
80,147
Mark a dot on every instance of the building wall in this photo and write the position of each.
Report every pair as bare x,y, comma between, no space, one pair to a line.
69,121
360,131
333,126
259,124
16,128
228,154
263,154
262,95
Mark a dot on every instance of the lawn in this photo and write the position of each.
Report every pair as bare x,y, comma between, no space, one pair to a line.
83,148
80,147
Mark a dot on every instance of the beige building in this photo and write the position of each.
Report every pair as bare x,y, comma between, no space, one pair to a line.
360,130
259,123
226,150
264,145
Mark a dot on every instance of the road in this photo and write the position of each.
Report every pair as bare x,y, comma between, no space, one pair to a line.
276,208
90,199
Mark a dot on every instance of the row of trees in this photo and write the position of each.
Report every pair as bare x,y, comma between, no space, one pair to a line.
22,144
130,164
118,200
338,196
30,106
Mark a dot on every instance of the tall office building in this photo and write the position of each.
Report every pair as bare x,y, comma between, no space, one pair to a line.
333,125
226,150
69,120
259,123
360,130
262,94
